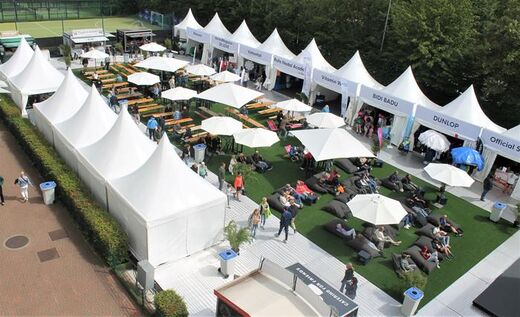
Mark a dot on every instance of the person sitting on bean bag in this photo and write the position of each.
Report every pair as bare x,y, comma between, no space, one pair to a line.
306,192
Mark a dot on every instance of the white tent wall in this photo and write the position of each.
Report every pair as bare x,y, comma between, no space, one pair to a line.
94,181
19,99
43,125
397,129
66,150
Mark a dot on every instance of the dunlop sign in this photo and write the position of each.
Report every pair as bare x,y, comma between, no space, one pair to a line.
442,122
385,101
198,35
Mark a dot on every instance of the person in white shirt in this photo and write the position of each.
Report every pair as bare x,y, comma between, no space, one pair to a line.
23,182
382,238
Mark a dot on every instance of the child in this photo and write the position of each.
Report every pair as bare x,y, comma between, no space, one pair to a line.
230,192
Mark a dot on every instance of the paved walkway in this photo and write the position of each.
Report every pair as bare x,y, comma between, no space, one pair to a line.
68,279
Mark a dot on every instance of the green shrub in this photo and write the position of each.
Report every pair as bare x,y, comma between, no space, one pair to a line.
415,278
98,227
170,304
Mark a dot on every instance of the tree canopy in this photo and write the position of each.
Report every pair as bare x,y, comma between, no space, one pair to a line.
449,44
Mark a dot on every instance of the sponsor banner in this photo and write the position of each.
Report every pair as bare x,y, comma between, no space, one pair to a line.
289,67
329,81
224,44
343,305
443,123
198,35
87,33
501,144
385,101
256,55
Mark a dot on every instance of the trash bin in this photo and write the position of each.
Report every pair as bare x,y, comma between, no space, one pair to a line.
227,262
497,211
47,189
126,58
199,150
412,298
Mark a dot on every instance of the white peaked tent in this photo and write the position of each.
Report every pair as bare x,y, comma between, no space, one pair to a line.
122,150
398,98
188,21
513,133
89,124
167,210
230,94
162,63
38,77
62,105
215,27
348,80
243,36
275,46
17,62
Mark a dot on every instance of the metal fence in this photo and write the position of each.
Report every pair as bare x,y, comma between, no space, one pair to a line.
41,10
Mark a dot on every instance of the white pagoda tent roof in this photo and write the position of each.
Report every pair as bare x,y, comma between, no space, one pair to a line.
18,61
216,27
230,94
274,45
38,76
406,88
167,210
162,63
188,21
354,70
89,123
65,101
243,35
513,133
467,108
318,61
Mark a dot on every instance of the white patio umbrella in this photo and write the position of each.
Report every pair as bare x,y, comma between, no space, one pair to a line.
225,77
293,105
162,63
377,209
152,47
94,54
256,137
325,120
143,79
200,70
230,94
327,144
178,93
435,140
449,175
221,125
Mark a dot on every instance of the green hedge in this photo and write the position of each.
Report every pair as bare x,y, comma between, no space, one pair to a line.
170,304
98,227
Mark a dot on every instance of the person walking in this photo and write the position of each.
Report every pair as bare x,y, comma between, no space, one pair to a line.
2,201
265,212
294,209
285,221
23,182
255,221
151,125
221,175
238,184
203,171
352,288
487,186
283,127
347,279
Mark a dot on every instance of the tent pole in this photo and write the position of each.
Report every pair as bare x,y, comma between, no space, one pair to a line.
386,25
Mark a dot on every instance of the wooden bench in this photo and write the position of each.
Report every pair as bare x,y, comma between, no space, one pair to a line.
192,126
180,121
269,111
102,76
139,101
108,81
162,114
117,85
122,90
234,112
148,109
129,95
196,137
256,106
99,70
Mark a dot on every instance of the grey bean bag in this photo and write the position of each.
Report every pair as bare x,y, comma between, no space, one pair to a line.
346,165
426,230
425,241
362,243
435,217
426,266
338,209
344,197
396,260
331,227
385,182
312,183
274,202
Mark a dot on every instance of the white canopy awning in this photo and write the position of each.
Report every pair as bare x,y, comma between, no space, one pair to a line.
230,94
38,77
162,206
327,144
399,97
188,21
18,61
162,63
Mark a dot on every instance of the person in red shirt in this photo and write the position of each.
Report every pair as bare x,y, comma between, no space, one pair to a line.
239,185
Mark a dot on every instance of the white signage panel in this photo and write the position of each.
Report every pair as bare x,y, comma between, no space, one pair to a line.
198,35
255,55
385,101
224,44
501,144
328,80
442,122
289,67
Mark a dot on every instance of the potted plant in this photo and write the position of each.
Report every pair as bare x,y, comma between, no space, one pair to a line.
236,235
67,54
119,47
168,44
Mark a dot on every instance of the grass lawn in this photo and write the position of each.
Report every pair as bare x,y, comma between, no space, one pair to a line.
480,235
53,28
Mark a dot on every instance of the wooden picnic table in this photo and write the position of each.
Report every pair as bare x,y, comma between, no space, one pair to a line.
148,108
139,101
180,121
256,106
98,70
102,76
269,111
116,85
129,95
251,121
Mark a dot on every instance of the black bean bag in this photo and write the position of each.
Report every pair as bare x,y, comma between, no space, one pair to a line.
385,182
350,185
425,241
434,218
422,263
426,230
274,202
313,184
370,233
390,230
362,243
346,165
331,227
396,260
338,209
279,190
344,197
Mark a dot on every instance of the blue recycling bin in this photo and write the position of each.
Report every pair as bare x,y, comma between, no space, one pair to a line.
48,189
497,211
412,298
199,152
227,262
